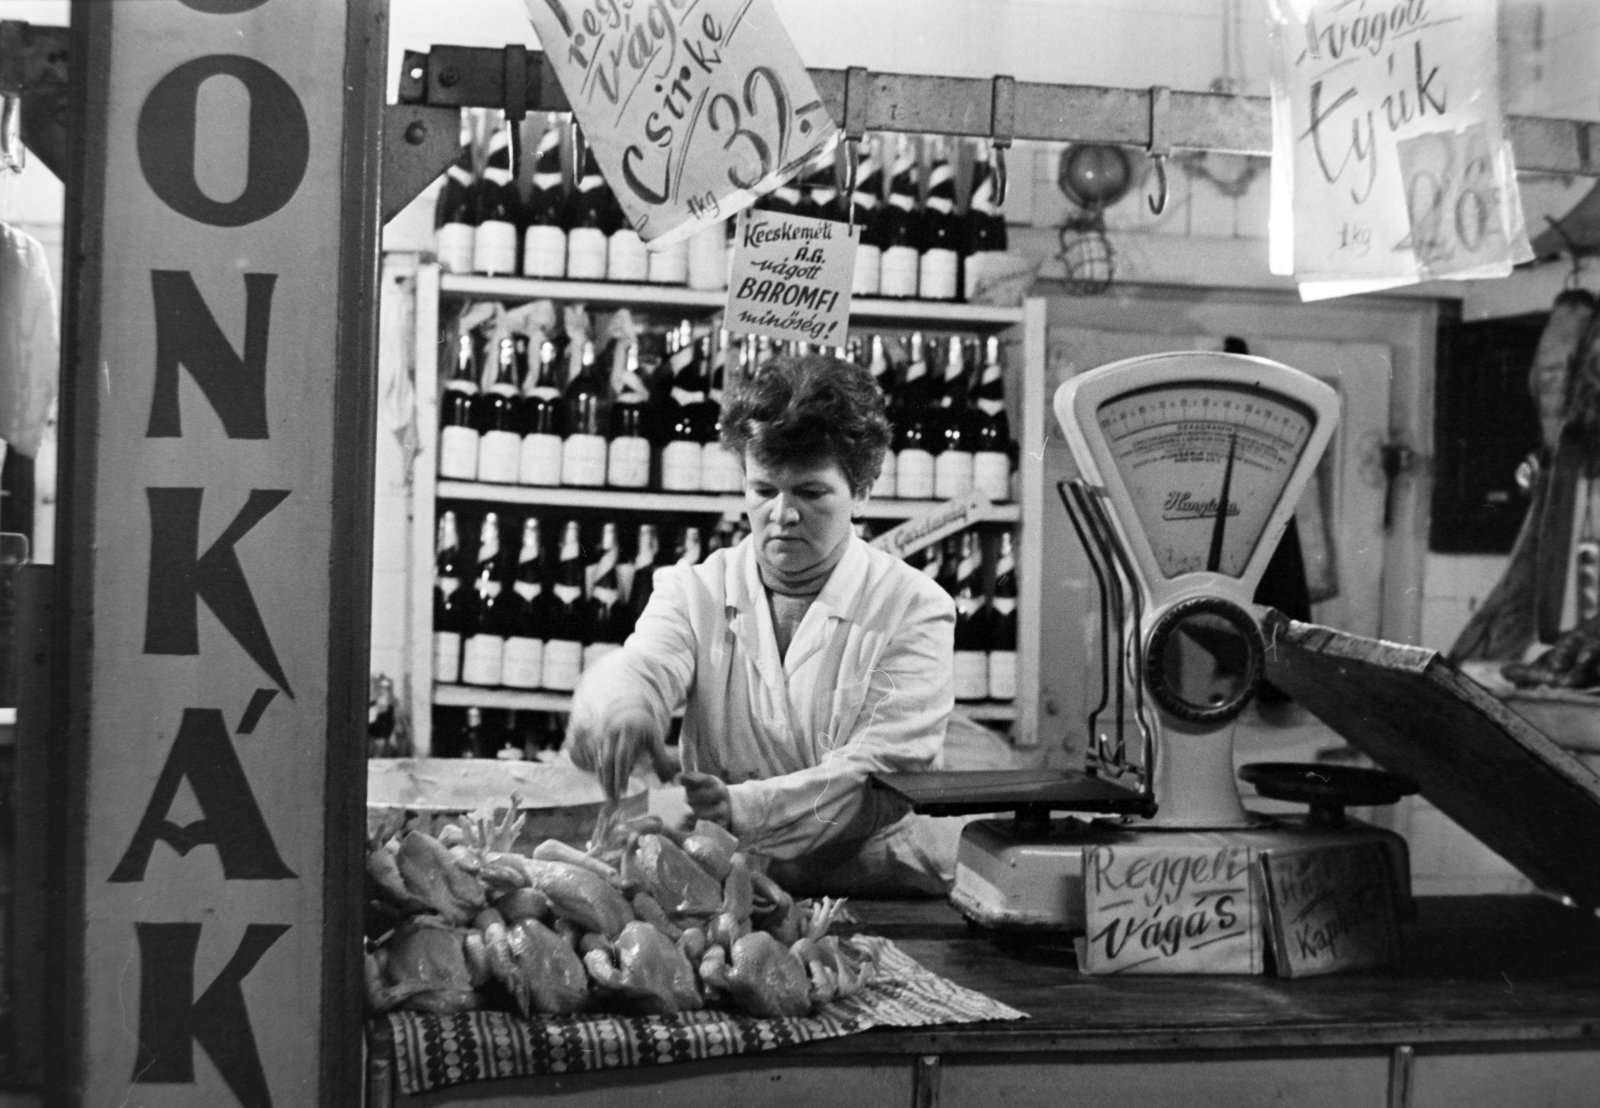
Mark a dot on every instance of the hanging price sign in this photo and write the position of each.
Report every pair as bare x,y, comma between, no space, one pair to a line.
1389,160
694,108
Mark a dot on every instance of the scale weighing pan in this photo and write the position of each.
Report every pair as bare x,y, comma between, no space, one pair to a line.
1030,793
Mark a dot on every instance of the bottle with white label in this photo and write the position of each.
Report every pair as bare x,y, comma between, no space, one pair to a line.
628,452
498,412
683,442
606,613
540,460
708,258
1003,624
964,583
992,446
984,234
867,208
563,650
588,223
544,240
450,610
901,254
483,652
526,620
952,467
720,469
452,212
939,231
642,582
583,450
458,428
626,256
915,428
877,364
494,240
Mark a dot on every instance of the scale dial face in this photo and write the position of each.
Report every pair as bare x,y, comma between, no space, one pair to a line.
1205,464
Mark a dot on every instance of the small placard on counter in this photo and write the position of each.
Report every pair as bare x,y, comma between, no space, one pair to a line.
791,278
1331,908
1153,908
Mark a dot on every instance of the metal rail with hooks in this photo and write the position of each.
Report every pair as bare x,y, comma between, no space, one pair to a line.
421,131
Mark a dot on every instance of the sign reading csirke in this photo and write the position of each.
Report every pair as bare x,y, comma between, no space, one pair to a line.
694,107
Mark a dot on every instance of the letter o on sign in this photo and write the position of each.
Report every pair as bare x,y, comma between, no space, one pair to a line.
279,141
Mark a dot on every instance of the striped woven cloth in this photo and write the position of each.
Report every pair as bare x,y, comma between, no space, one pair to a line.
433,1052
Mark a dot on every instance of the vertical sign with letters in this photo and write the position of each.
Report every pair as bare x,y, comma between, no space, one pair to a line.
214,504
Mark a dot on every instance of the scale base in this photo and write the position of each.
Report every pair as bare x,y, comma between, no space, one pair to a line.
1030,880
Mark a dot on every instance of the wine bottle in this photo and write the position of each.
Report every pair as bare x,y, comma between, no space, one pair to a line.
930,561
984,234
527,619
452,212
1003,624
867,202
626,257
563,650
583,449
669,264
971,663
497,413
458,428
494,241
588,230
473,741
721,536
483,653
689,552
939,231
628,454
708,257
642,582
720,469
540,460
992,444
915,429
953,464
878,366
785,199
380,721
449,603
606,613
544,242
684,437
900,240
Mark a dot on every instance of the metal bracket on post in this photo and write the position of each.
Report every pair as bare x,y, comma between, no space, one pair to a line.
1160,143
1002,128
857,90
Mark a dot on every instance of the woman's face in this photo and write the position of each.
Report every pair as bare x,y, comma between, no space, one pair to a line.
798,513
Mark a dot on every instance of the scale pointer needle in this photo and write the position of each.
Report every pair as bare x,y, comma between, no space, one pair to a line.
1219,529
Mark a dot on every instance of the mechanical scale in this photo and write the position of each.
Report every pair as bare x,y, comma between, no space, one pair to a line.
1191,465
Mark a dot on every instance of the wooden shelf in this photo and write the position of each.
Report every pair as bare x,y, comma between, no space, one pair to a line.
474,696
688,503
608,293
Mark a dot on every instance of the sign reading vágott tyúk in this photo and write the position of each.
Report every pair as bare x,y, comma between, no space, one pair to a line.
1389,161
791,278
694,108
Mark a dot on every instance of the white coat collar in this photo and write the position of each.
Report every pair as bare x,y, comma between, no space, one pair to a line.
752,621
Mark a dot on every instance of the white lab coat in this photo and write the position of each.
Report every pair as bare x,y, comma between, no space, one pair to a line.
865,686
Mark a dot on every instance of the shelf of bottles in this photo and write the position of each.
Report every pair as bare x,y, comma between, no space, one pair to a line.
577,427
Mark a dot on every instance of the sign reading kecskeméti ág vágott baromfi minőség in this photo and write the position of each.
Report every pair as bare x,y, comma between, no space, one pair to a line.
791,278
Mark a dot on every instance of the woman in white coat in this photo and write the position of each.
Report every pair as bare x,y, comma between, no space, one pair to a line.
803,658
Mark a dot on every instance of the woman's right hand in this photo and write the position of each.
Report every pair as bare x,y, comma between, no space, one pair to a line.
611,750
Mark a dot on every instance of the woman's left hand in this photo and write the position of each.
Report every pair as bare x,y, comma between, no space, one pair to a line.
708,797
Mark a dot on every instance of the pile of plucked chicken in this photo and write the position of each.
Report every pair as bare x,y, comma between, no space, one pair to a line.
648,921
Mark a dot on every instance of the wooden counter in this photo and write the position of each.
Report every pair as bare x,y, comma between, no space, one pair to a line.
1498,1004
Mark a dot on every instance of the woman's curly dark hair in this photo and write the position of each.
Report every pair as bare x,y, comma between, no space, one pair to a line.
807,409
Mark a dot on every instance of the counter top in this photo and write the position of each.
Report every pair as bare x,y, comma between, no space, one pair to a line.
1476,969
